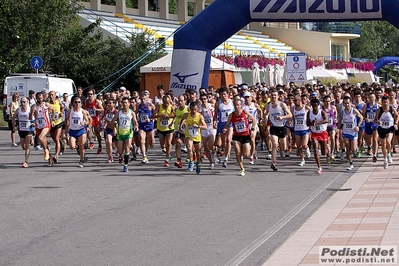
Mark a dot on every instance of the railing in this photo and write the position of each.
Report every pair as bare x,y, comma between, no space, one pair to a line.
332,27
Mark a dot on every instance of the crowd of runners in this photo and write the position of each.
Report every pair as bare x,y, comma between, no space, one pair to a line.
341,121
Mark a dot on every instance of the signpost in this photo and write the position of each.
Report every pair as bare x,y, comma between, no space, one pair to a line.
296,67
36,63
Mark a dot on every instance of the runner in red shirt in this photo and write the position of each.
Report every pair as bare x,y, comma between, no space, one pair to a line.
95,109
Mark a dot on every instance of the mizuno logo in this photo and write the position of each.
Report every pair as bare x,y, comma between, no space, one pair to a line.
318,6
183,78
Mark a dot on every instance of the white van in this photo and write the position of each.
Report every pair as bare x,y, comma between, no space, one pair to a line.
23,83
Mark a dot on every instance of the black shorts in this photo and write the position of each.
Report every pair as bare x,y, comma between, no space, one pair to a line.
280,132
23,134
165,133
179,135
63,125
383,132
242,139
397,132
53,129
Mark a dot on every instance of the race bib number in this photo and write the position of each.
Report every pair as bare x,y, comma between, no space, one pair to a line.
348,125
24,125
109,117
91,111
208,120
317,127
370,116
124,122
225,115
240,127
193,132
385,124
76,120
55,116
299,122
165,122
40,121
143,118
330,120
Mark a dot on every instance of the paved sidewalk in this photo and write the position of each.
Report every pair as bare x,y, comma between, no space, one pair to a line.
368,214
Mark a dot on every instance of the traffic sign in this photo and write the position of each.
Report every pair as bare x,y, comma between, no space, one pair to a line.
296,67
36,62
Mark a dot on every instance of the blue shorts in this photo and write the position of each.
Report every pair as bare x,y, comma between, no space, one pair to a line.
291,128
351,137
77,133
109,131
362,128
147,127
301,133
220,127
370,128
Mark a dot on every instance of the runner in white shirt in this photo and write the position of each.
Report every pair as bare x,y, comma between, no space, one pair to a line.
301,130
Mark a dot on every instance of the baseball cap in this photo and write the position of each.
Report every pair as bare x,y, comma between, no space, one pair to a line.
247,93
313,94
122,88
244,86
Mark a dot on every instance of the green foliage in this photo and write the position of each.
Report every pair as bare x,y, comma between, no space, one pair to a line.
378,39
51,30
328,80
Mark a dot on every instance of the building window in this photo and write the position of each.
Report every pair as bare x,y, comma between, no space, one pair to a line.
337,51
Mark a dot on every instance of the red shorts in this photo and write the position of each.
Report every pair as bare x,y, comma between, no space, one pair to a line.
95,121
323,136
39,131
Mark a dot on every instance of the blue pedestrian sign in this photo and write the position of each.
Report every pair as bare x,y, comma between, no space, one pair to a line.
36,62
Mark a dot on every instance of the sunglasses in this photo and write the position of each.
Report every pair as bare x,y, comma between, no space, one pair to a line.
203,99
77,102
23,101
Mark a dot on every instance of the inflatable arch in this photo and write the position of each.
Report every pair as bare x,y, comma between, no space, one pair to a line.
195,40
389,60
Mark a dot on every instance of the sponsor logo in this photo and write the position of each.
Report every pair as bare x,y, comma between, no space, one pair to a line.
318,6
177,85
158,69
182,78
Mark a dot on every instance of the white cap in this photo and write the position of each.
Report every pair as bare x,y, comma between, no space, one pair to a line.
122,88
358,85
247,93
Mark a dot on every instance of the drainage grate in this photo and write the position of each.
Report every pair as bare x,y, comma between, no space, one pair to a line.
339,189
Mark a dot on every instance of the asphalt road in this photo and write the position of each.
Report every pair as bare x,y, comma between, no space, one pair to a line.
153,215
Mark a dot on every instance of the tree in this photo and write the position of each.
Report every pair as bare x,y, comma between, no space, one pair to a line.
377,39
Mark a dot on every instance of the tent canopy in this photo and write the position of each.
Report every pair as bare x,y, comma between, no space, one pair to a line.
164,64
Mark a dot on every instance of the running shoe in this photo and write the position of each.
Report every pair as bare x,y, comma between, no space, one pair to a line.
25,165
328,159
190,166
184,150
374,159
307,153
350,168
302,163
268,157
225,162
385,163
273,166
125,169
333,157
319,171
166,163
389,158
242,172
198,169
46,155
98,150
251,160
282,155
133,158
81,164
50,162
203,156
109,159
178,164
91,145
394,150
211,166
342,156
163,150
144,160
14,145
287,153
55,159
358,154
362,150
38,148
